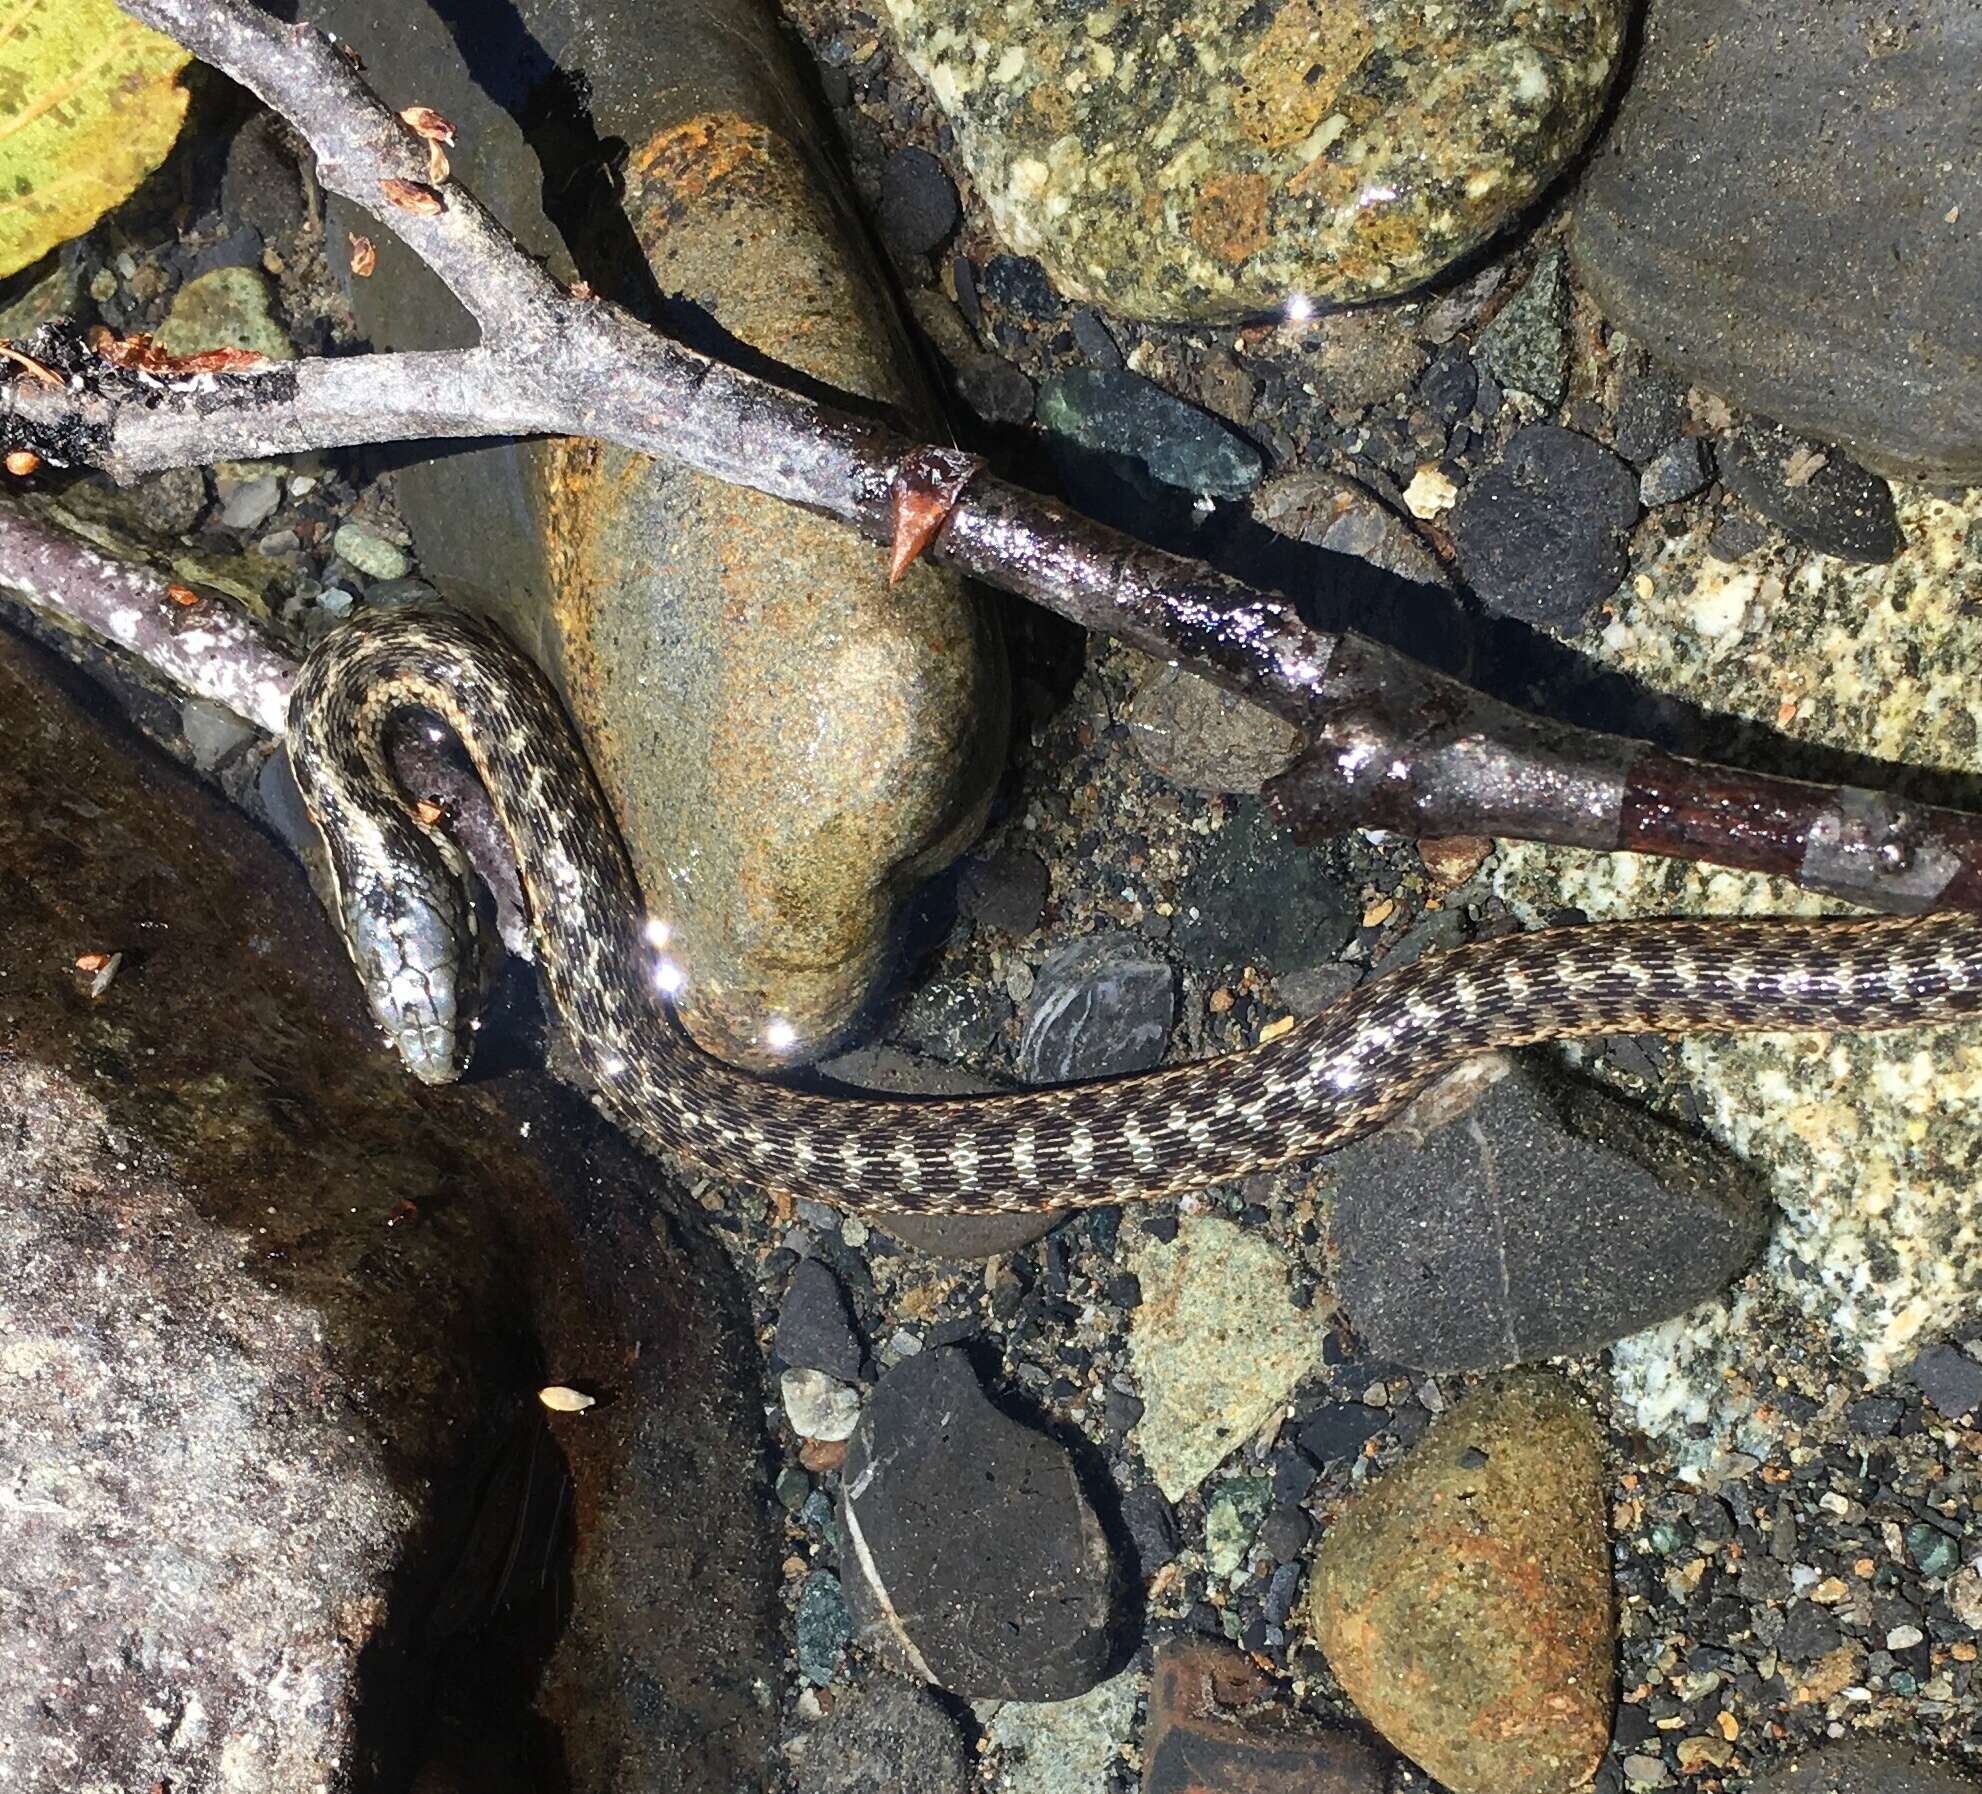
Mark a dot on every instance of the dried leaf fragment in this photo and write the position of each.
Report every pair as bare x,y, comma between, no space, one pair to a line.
428,811
412,196
926,488
22,462
103,965
135,354
562,1399
364,258
429,124
183,596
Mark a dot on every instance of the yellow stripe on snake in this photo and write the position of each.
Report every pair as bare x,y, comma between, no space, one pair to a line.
406,912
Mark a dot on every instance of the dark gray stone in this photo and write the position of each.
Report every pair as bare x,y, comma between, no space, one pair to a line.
1738,538
889,1735
1830,277
1116,413
1677,471
1094,340
980,1558
1817,496
1950,1379
1339,1431
993,388
815,1331
1808,1632
1257,897
1863,1766
1526,347
918,202
1006,891
1099,1008
1651,414
1450,385
1542,534
1308,990
1512,1214
824,1628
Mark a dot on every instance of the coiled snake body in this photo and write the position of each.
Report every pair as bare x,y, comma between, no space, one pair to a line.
407,916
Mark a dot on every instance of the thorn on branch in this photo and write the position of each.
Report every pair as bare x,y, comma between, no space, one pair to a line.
927,484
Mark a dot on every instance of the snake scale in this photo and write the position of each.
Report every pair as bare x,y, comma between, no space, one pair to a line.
407,914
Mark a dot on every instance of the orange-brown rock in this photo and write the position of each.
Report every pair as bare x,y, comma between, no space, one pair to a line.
1464,1599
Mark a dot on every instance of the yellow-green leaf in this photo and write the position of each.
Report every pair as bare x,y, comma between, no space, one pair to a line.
89,104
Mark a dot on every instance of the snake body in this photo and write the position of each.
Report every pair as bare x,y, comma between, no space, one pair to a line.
405,910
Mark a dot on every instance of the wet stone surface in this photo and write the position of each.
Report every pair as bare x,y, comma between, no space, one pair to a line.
1179,161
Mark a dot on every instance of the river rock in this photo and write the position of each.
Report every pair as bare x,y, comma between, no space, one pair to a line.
1464,1598
887,1734
982,1567
1181,160
790,743
270,1314
1214,1730
1828,278
1217,1343
1816,496
1867,1142
1543,533
227,309
1863,1766
1513,1214
1099,1008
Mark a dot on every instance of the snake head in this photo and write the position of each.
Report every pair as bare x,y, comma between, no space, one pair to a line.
412,938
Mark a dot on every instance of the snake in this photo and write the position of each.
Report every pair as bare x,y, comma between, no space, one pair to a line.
404,902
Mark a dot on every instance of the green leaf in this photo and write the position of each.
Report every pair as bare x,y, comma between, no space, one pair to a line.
89,105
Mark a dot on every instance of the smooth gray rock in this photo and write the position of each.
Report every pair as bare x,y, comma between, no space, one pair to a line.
1863,1766
1099,1008
1114,412
1950,1379
887,1735
1259,897
1827,275
982,1567
1512,1214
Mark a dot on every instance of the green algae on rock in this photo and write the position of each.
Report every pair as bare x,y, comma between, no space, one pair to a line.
1186,161
1869,1141
1464,1599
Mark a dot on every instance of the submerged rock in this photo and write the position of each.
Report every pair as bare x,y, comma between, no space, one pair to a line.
1512,1214
270,1314
1867,1141
1829,278
1464,1598
1181,160
790,743
1217,1344
983,1569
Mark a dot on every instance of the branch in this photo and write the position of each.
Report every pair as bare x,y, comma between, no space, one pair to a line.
1392,743
202,644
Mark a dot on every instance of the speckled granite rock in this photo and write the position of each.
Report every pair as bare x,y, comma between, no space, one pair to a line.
227,309
1829,278
1216,1344
1064,1747
1464,1598
791,743
1868,1141
1179,160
